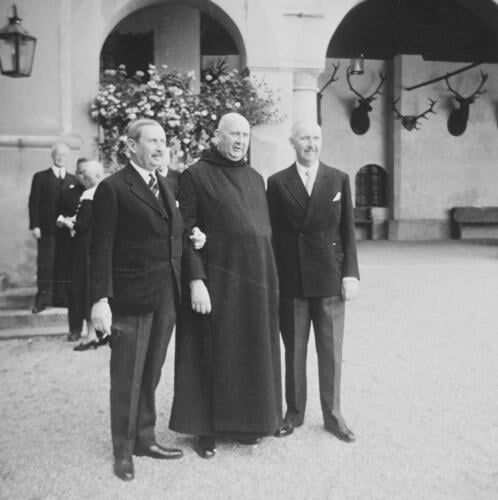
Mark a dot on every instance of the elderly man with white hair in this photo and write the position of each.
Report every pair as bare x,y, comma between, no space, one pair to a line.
54,195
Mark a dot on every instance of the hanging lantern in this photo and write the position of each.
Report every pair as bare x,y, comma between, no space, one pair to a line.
17,48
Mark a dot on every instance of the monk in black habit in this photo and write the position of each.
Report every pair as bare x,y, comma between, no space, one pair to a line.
227,368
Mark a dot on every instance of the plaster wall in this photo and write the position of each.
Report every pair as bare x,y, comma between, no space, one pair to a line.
438,170
341,147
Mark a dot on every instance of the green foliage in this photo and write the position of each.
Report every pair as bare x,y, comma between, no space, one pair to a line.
188,119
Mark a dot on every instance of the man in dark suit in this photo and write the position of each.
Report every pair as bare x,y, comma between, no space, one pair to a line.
313,231
135,257
54,195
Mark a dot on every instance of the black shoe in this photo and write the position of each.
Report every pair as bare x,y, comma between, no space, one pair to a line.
248,441
123,468
73,337
342,433
206,446
93,344
158,451
284,430
38,308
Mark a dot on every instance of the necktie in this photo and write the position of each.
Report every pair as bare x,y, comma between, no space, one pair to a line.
309,182
154,187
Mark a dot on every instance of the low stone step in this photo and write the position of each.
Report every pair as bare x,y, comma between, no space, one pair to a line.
22,318
28,333
17,298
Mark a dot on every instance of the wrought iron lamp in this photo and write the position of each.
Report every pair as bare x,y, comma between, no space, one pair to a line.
357,65
17,48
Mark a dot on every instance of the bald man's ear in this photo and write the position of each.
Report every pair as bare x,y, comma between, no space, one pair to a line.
291,140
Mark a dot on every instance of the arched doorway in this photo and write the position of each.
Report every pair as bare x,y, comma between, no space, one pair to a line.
415,43
173,36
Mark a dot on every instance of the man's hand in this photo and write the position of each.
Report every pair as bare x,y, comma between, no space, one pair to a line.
350,288
102,317
198,238
36,231
199,295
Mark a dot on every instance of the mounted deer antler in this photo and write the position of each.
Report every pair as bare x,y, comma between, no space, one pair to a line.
360,121
457,122
319,94
410,122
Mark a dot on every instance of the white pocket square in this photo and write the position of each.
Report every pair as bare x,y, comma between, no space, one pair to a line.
177,204
337,197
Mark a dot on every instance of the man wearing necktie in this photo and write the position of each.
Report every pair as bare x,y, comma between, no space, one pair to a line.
135,257
54,195
313,233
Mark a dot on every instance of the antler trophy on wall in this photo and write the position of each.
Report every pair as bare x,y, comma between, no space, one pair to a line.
457,121
360,121
410,122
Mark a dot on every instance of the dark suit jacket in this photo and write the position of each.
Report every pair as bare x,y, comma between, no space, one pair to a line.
313,237
134,241
48,199
173,177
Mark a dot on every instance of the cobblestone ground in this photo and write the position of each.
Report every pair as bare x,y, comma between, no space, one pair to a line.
420,386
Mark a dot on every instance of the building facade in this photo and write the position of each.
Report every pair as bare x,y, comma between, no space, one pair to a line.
411,178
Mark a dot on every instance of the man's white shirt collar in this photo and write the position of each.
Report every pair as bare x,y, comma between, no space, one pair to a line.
301,170
144,173
59,172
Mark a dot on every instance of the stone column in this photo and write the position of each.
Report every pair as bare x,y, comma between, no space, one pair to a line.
304,94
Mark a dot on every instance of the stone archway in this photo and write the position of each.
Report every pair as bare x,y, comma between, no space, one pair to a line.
209,8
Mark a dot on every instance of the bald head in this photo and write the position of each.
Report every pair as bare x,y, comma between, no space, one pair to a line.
233,136
306,139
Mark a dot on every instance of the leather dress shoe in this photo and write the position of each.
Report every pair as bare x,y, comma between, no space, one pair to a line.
248,441
158,451
84,346
123,468
342,433
73,337
284,430
38,308
206,447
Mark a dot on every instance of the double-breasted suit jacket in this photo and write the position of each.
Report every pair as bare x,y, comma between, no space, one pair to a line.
135,240
315,249
313,236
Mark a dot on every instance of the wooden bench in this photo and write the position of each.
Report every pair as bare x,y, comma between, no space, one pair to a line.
472,216
363,218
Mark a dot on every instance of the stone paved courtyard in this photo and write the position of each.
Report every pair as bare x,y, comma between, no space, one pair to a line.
420,390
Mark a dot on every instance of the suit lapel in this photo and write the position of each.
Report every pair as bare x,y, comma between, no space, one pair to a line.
295,186
168,195
322,189
141,190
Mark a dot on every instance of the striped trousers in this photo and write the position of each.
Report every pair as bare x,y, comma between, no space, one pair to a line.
139,345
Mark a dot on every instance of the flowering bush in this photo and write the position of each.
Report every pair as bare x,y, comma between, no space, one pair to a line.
189,120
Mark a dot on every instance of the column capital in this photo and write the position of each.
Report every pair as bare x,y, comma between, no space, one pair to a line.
306,79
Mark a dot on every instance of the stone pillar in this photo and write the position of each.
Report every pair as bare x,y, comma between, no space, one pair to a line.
304,93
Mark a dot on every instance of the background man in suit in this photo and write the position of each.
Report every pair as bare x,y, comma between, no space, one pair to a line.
135,256
54,195
313,230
